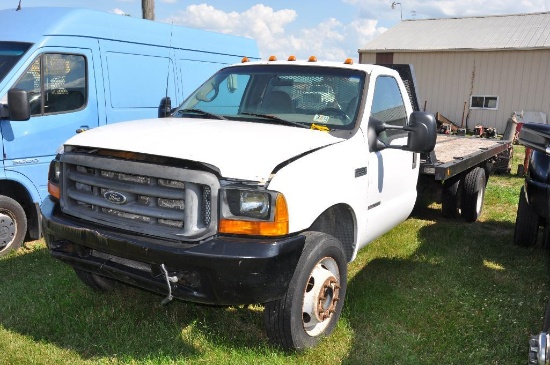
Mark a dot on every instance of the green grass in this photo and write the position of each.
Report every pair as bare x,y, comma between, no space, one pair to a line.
431,291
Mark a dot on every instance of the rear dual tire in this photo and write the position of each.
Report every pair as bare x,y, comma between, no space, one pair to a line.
465,191
474,194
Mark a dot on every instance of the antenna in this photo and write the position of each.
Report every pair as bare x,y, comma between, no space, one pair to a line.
166,103
18,6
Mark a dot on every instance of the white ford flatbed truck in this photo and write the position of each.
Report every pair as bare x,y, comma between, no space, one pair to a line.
257,189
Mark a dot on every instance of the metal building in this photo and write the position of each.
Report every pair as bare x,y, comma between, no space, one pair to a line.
474,70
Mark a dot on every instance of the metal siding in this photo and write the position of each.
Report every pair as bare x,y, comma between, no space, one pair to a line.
521,80
368,58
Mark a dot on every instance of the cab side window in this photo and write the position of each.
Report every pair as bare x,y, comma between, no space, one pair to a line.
55,83
388,107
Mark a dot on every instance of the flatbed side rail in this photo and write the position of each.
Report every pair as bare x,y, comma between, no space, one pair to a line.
445,170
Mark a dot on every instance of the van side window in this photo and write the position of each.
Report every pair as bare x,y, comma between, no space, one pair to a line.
56,83
388,107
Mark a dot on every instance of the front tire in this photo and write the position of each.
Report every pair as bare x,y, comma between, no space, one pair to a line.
315,296
94,281
474,194
527,223
13,225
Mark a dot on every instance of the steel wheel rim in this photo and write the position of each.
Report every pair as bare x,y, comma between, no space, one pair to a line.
8,229
321,295
479,201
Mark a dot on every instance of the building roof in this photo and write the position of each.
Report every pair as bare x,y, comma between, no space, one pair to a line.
520,31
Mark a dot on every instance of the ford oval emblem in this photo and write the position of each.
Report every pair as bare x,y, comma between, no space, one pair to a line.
115,197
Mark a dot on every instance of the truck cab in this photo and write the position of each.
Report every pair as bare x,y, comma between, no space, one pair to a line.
247,194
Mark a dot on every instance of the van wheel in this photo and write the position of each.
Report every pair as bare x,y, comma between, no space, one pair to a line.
527,223
449,197
312,304
94,281
474,194
13,225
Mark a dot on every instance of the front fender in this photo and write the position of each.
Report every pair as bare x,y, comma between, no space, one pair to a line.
329,176
26,183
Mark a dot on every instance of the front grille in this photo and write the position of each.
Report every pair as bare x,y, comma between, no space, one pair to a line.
151,199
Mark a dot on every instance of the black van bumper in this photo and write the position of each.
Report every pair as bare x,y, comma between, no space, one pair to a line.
222,270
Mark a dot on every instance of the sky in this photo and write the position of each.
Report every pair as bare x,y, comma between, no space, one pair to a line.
332,30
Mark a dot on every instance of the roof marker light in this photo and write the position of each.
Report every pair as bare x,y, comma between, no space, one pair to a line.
272,58
292,58
312,59
245,59
348,61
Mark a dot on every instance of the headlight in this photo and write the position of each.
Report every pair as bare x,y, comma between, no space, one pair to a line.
54,176
246,203
253,212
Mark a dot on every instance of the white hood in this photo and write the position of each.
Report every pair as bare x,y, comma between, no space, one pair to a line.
242,150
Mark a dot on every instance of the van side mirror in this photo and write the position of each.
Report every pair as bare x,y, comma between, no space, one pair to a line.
18,104
165,107
421,133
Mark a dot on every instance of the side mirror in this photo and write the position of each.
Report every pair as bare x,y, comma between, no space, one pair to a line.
535,136
165,107
421,136
18,104
422,130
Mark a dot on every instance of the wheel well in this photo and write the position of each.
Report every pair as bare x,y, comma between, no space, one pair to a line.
339,222
20,194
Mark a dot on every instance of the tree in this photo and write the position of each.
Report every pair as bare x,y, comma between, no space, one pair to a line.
148,9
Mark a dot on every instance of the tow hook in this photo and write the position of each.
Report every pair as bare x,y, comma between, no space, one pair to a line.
169,279
538,349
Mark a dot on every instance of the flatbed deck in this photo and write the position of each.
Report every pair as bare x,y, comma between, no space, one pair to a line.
455,154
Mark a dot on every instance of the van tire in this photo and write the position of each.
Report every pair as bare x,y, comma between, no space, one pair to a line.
527,223
474,194
13,225
94,281
313,302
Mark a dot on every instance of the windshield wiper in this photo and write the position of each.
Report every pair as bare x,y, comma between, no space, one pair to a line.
272,117
201,112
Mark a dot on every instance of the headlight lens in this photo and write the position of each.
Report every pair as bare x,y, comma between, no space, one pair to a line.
246,203
253,212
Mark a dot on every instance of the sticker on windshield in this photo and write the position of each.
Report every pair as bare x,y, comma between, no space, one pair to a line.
319,118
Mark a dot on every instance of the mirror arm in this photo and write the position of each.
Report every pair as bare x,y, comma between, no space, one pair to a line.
385,127
4,111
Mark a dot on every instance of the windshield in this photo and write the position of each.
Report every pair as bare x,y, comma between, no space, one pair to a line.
324,98
10,53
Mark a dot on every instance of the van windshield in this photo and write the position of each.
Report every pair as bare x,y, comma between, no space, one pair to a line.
10,53
318,97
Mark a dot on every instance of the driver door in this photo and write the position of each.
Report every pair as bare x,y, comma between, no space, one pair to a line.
62,96
392,172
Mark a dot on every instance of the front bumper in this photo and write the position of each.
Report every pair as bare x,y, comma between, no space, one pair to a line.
221,270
